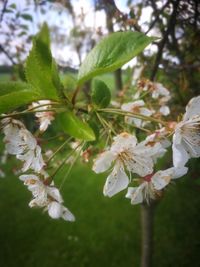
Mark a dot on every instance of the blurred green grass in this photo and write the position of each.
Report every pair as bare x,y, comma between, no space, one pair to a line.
106,231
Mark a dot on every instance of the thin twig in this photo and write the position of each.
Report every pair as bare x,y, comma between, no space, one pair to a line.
8,55
171,22
3,10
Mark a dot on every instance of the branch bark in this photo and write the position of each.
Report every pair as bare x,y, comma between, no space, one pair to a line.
147,218
170,24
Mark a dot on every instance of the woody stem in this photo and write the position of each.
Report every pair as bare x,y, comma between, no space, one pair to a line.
147,216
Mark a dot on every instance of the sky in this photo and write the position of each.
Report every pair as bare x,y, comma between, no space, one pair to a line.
66,53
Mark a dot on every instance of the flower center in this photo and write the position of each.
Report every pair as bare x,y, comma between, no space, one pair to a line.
148,177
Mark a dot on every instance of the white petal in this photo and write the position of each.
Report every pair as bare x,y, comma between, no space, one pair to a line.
67,215
180,155
55,194
146,112
103,162
193,108
164,110
161,178
141,165
179,171
130,106
123,141
55,210
116,181
135,194
27,177
137,122
27,158
13,149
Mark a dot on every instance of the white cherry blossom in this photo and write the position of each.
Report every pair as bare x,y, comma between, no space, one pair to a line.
20,142
159,90
46,196
44,117
136,107
153,183
186,138
126,155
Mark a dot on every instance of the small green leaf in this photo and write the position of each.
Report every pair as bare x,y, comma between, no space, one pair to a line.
73,126
112,52
12,6
27,17
39,66
95,127
16,94
101,95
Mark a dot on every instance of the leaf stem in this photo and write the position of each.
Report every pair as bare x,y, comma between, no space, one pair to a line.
58,150
28,112
132,114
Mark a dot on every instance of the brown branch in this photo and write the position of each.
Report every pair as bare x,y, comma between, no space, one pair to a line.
7,54
3,10
157,18
147,216
171,23
147,211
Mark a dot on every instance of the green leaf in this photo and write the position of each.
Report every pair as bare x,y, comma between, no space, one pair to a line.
16,94
73,126
112,52
56,78
12,6
27,17
101,95
39,66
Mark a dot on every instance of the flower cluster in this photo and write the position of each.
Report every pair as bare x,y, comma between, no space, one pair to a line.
127,155
21,143
46,196
127,158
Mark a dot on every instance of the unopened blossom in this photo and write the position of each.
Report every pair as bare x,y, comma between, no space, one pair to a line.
139,108
186,138
164,110
44,117
20,142
153,183
46,196
126,156
159,90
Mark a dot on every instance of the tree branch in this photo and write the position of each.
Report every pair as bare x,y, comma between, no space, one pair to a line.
7,54
171,23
